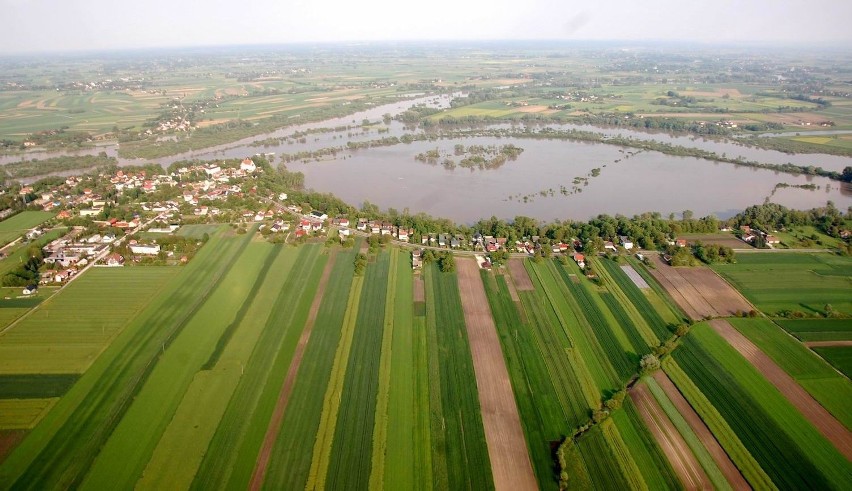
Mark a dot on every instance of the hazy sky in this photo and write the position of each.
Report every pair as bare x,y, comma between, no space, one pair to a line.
59,25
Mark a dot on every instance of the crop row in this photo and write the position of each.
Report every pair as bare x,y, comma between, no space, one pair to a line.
598,460
787,447
463,447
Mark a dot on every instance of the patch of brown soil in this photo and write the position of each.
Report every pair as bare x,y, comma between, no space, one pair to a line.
9,439
507,449
287,387
519,275
729,470
683,461
833,430
699,291
419,289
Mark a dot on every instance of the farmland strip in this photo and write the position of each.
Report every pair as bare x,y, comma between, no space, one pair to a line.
350,459
105,392
284,396
291,457
730,471
831,429
670,441
739,454
788,448
507,451
542,417
380,429
333,392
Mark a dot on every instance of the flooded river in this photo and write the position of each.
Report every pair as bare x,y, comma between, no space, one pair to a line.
540,183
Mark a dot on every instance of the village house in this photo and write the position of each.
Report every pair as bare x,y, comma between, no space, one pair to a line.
609,246
580,260
114,260
248,165
626,242
318,215
416,259
680,242
362,224
772,239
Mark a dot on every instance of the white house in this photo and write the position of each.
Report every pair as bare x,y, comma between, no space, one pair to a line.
626,242
248,165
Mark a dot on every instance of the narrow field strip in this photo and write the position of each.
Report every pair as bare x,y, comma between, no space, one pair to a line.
380,429
510,463
333,392
828,425
722,431
286,389
684,463
292,454
729,470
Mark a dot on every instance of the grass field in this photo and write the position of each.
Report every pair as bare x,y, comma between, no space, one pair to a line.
818,329
831,389
17,225
787,447
197,231
94,309
792,282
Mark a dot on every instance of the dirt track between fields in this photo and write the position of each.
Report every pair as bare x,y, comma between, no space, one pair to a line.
519,274
699,291
833,430
507,448
729,470
683,461
287,387
826,344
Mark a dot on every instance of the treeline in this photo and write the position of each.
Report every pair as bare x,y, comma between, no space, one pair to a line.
33,168
27,273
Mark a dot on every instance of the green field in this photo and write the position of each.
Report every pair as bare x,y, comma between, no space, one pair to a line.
788,448
17,225
840,357
792,282
93,310
831,389
818,329
197,231
61,449
459,454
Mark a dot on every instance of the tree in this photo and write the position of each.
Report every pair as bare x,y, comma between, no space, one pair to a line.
649,364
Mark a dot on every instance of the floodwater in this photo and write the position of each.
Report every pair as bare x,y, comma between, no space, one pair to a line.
533,184
647,181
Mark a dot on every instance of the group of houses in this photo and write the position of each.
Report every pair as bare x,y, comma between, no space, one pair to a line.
750,235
